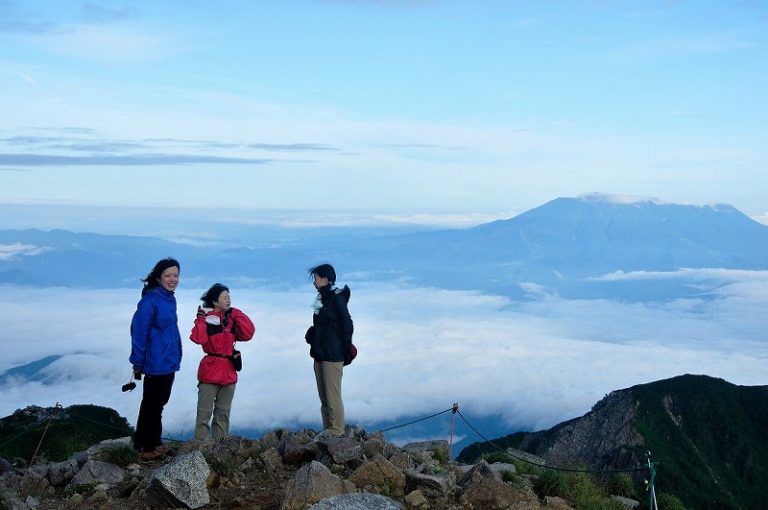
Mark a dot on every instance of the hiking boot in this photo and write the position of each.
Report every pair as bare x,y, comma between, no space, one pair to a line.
147,456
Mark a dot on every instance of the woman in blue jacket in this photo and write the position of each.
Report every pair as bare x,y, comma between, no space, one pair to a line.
155,353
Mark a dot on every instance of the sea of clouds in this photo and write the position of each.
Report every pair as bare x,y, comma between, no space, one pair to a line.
531,363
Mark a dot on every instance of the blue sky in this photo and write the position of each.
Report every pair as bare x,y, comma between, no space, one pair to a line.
488,107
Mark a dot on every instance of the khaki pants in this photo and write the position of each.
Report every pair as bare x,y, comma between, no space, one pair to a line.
216,400
328,376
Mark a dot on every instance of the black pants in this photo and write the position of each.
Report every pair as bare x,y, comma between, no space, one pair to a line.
149,426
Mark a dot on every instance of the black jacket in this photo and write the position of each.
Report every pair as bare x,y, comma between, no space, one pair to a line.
331,333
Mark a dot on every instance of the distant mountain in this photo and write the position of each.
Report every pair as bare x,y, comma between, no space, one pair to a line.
708,435
29,371
63,431
566,247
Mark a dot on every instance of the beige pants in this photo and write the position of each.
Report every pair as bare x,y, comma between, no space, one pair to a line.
216,400
328,376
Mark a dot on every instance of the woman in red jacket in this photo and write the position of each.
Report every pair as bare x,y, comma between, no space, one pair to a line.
217,327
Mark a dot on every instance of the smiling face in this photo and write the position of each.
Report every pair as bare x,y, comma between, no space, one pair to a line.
223,303
169,278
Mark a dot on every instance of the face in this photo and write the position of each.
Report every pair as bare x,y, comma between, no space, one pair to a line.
169,278
320,281
223,303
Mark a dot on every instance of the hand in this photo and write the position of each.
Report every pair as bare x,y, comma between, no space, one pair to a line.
136,375
200,312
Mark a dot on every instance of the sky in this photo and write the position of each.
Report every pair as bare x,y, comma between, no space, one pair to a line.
423,107
531,364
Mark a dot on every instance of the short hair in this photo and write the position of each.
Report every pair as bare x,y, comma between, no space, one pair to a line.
324,271
212,295
152,278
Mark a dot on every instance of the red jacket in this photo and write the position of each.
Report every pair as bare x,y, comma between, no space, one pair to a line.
220,339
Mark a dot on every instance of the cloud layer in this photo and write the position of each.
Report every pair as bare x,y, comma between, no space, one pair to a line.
534,364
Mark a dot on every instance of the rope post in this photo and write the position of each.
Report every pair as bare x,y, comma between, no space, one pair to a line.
454,410
42,437
652,476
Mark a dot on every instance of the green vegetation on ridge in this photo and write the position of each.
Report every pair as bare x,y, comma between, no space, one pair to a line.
71,429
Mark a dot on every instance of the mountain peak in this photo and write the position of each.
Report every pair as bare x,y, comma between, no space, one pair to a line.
619,199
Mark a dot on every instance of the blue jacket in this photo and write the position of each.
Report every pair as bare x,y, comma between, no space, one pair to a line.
155,338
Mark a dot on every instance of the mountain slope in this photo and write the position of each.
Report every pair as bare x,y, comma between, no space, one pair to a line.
708,435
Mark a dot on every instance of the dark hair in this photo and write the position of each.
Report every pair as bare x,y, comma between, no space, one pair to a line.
151,281
324,271
213,294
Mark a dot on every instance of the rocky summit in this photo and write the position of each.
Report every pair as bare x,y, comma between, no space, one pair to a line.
284,470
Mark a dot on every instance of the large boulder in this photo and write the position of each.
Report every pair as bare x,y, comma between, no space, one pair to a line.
339,450
483,489
432,486
62,472
298,448
312,483
34,484
98,472
359,501
182,483
379,476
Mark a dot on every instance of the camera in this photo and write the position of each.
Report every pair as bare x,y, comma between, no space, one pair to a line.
132,385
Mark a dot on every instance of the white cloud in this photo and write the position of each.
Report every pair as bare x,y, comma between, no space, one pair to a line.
532,363
9,251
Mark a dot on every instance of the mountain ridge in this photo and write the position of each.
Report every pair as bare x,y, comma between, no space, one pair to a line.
706,433
565,245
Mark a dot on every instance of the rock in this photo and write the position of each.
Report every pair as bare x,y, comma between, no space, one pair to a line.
298,448
479,471
556,503
374,446
12,501
62,472
416,500
482,489
433,486
499,468
41,469
182,483
31,502
96,449
96,471
272,459
339,450
230,447
5,466
401,461
359,501
33,484
379,476
311,483
627,502
427,446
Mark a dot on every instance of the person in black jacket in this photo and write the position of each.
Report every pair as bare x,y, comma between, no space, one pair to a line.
329,337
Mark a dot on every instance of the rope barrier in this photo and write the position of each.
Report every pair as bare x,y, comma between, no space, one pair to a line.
96,422
14,438
415,421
